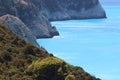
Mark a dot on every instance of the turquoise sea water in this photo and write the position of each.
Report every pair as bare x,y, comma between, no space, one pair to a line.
93,44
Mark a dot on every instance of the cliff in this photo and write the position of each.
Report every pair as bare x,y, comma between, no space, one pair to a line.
36,13
19,28
70,9
30,15
20,60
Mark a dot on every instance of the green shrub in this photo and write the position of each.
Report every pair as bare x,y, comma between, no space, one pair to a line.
6,56
29,50
1,59
50,68
1,38
70,77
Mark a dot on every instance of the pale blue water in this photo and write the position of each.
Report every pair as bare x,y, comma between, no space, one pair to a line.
92,44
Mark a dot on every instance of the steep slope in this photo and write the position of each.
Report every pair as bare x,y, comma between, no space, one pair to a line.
70,9
22,61
30,15
19,28
16,55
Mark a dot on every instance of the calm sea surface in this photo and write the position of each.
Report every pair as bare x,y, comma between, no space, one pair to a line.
93,44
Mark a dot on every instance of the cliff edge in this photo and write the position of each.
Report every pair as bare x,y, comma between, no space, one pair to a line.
30,15
70,9
36,14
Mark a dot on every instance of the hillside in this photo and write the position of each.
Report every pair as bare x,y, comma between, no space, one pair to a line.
22,61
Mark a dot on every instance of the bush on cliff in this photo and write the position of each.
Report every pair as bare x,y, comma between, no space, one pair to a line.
50,68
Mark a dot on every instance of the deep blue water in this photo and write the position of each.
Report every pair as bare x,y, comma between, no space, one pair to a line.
93,44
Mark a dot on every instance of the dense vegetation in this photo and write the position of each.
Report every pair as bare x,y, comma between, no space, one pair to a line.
16,55
22,61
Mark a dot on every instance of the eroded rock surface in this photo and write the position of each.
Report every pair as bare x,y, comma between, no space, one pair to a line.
70,9
30,15
19,28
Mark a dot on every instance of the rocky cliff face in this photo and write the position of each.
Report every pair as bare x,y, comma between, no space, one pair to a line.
35,13
30,15
19,28
70,9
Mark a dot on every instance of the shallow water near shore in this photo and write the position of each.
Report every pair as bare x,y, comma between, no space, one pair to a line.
93,44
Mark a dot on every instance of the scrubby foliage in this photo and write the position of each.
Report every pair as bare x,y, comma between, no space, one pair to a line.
16,55
50,68
22,61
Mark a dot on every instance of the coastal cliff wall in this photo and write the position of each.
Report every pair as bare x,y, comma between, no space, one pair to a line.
70,9
30,15
36,14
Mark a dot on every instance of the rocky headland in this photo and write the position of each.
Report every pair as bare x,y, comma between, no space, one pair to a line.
36,14
30,15
70,9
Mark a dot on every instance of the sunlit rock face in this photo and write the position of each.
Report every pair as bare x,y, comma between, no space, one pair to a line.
19,28
70,9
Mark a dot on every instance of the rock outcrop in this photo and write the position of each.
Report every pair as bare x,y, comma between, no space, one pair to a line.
30,15
19,28
70,9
